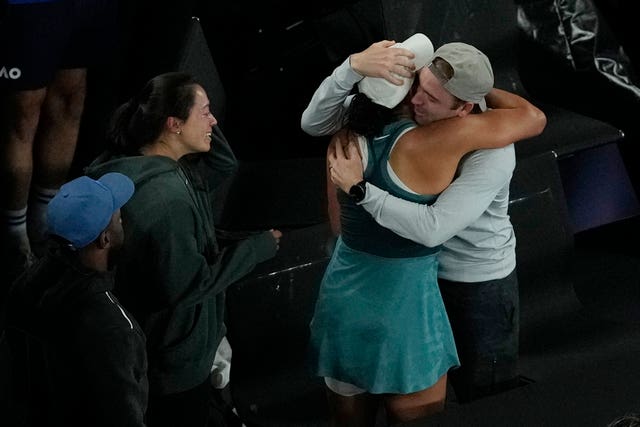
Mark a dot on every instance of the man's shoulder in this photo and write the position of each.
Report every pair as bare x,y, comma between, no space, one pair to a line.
496,164
101,313
490,157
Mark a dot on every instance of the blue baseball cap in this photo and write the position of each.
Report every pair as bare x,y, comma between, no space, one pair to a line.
83,207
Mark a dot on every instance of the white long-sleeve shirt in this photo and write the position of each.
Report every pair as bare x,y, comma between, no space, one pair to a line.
470,217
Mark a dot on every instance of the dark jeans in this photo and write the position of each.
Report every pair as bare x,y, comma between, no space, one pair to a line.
189,408
485,318
202,406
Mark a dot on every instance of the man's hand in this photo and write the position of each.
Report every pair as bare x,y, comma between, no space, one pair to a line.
345,163
379,61
277,234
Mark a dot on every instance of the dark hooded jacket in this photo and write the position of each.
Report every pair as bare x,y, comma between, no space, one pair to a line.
172,274
77,357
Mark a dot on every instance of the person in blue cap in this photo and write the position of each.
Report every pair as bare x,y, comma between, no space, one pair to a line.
78,355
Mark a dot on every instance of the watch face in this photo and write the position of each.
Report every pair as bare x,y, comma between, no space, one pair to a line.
357,191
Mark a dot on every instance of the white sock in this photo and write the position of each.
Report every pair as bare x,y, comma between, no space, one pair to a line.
16,224
37,218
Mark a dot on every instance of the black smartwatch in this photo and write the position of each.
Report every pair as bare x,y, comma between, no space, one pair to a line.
358,191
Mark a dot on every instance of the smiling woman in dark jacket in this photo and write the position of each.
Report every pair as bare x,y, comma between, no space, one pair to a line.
173,274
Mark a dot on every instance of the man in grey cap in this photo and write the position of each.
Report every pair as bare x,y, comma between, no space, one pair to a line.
66,330
477,262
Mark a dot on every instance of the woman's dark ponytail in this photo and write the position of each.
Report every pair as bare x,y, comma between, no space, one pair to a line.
118,135
140,121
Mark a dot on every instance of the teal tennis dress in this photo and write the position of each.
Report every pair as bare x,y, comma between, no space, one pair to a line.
379,321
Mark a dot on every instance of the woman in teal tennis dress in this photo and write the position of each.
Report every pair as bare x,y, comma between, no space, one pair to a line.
380,325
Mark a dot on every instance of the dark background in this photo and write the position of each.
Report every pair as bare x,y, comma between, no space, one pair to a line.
271,57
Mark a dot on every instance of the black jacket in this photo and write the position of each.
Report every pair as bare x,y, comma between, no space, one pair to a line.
78,357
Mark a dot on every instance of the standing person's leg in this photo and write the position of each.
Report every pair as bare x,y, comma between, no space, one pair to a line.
406,407
19,118
32,39
485,318
350,406
55,145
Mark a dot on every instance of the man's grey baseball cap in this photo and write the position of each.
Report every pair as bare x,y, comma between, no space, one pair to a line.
472,74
